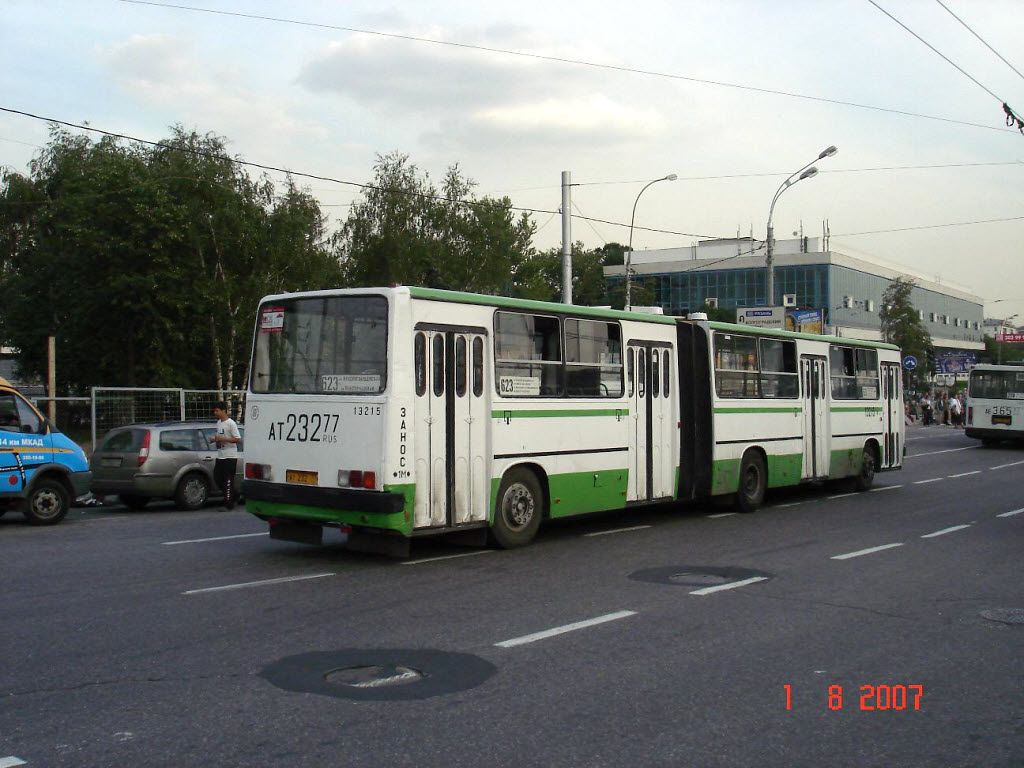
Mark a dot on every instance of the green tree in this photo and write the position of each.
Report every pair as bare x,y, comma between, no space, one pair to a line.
405,231
901,325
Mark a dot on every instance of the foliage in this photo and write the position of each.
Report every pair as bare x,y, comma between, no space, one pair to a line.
902,326
405,231
147,262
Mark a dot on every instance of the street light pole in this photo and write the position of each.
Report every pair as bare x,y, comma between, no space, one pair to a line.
807,172
629,253
1002,332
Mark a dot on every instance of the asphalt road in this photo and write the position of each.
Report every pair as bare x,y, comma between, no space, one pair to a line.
190,638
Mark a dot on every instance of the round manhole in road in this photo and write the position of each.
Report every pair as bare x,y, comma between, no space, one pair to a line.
379,674
1004,615
696,575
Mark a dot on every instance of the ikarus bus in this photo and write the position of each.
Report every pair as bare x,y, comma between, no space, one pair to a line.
995,403
394,413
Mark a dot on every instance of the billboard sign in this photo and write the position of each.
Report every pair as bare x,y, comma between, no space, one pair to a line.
1012,338
762,317
805,320
955,362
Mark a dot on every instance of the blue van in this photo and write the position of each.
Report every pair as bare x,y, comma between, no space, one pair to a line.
41,470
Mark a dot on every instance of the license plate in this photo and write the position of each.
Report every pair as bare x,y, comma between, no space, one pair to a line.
1007,420
301,476
111,461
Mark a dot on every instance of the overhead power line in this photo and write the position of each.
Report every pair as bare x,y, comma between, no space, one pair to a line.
929,226
557,59
980,38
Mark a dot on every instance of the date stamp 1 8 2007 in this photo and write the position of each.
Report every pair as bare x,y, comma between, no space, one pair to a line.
872,697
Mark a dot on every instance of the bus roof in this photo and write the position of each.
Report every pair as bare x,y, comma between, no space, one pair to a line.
737,328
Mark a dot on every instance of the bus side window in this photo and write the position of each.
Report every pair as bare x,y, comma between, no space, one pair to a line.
655,372
629,370
460,366
478,367
667,371
641,372
420,363
438,355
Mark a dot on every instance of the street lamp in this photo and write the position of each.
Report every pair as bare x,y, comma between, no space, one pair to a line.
807,172
629,253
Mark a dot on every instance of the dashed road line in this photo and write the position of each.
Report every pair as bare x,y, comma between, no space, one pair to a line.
948,450
780,506
842,495
721,514
215,538
731,585
1011,464
886,487
932,480
11,761
944,531
965,474
860,552
447,557
257,583
1011,514
563,629
617,530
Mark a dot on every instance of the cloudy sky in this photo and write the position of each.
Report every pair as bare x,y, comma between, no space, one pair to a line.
731,95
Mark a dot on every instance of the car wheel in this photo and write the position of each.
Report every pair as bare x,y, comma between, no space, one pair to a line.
132,501
866,476
753,482
192,491
47,504
520,507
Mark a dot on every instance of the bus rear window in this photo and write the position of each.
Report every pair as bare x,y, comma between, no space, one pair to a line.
322,345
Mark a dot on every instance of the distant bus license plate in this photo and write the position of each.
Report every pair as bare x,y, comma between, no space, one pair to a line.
1007,420
301,476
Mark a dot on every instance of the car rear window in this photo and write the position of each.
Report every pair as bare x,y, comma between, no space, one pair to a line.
178,440
124,441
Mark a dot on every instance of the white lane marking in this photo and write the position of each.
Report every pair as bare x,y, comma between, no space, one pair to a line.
561,630
945,531
933,480
617,530
1011,464
790,504
447,557
1011,514
948,450
215,538
842,495
965,474
257,583
886,487
722,514
860,552
731,585
11,761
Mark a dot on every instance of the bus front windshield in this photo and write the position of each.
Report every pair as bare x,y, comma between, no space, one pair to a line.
997,385
322,345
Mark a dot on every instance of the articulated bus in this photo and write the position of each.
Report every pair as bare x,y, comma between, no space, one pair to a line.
394,413
995,403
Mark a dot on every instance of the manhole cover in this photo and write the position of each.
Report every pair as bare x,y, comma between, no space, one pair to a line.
1005,615
379,674
374,676
697,575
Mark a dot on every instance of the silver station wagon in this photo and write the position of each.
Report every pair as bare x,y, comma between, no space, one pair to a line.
169,460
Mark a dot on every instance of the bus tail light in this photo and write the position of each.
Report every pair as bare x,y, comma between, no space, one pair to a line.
357,478
144,450
257,471
970,414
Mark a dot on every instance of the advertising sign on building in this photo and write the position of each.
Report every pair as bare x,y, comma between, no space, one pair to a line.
955,362
805,320
1012,338
762,317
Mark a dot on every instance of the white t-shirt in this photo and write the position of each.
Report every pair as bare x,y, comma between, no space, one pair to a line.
227,428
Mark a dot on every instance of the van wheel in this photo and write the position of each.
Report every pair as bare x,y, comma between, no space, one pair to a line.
753,482
134,502
866,476
192,491
520,506
48,503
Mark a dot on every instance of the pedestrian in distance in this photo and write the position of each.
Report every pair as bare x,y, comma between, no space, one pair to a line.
956,411
227,439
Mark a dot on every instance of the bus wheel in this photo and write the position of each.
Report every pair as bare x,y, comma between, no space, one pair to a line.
753,482
866,476
48,503
520,505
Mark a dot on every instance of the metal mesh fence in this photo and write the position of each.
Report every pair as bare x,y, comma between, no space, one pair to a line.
73,414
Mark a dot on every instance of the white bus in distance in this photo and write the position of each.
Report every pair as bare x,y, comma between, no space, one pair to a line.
394,413
995,403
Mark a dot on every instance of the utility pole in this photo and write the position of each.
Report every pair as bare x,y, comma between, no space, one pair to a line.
566,237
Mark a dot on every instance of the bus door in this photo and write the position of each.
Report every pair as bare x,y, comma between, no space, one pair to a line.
813,391
451,423
892,418
652,426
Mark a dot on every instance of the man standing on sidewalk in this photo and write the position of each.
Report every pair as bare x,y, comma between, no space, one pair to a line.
227,440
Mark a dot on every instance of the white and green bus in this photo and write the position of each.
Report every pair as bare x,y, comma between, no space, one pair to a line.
995,403
394,413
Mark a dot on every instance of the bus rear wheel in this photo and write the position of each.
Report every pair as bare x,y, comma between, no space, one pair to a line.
753,482
866,476
520,507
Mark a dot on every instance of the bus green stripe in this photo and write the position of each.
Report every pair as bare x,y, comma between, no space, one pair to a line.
758,410
538,414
